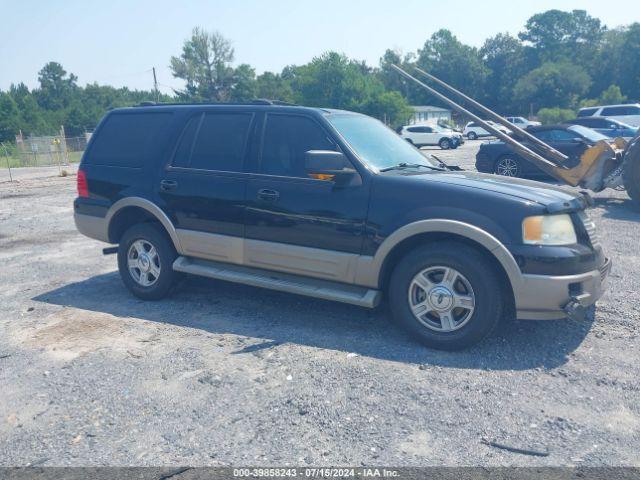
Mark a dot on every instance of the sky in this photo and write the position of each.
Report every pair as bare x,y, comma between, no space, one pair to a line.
117,42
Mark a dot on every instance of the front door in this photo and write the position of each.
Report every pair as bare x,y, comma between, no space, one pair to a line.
295,223
571,144
203,188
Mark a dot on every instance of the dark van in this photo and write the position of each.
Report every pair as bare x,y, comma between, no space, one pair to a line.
333,205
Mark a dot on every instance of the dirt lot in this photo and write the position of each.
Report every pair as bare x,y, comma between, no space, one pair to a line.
228,374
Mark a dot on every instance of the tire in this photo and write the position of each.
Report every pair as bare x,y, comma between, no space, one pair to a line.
631,173
472,135
474,277
508,166
444,144
150,277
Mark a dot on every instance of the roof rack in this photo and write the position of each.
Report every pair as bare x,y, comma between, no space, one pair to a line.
257,101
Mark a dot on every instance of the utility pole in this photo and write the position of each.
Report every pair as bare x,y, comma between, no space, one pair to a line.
155,85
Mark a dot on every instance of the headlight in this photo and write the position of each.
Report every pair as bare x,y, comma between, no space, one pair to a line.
549,230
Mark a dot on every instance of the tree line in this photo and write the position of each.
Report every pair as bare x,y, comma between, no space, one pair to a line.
558,63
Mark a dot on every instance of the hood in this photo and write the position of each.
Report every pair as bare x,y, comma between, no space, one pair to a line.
555,199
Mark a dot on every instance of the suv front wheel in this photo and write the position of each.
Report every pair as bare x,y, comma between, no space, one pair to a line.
145,261
450,297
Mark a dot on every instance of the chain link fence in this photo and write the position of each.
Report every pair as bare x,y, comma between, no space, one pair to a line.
42,151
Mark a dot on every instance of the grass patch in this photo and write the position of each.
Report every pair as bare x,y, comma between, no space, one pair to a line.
36,161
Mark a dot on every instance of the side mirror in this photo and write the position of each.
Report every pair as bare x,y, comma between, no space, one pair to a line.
329,165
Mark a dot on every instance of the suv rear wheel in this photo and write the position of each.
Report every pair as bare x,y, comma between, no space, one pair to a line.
508,166
145,261
450,297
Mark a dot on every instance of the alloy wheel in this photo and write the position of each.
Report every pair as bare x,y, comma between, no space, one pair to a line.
143,263
507,167
441,299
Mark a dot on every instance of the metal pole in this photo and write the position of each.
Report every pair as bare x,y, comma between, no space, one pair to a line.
555,154
6,152
541,162
63,140
155,85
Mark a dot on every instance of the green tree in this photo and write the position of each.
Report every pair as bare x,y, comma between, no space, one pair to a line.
552,85
244,84
391,79
444,56
558,35
56,86
629,66
333,80
555,115
274,87
205,65
506,59
9,118
612,96
31,115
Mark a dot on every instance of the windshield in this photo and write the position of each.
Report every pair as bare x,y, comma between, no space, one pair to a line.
375,144
587,133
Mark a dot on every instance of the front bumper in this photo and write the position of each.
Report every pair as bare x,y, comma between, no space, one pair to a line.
546,297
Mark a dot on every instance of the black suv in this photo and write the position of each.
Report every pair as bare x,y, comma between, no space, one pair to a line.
334,205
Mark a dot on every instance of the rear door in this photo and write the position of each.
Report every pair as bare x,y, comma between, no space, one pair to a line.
600,125
422,135
295,223
569,143
203,187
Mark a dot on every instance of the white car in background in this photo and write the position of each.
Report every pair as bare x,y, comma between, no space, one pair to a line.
428,134
473,130
522,122
629,113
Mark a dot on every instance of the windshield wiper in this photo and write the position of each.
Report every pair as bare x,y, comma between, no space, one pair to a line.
403,165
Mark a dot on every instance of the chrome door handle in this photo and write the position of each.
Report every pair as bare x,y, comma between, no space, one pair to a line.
168,185
268,195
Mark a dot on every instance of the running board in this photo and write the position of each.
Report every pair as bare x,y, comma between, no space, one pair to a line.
284,282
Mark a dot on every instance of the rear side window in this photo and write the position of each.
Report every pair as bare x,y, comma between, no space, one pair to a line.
590,122
563,135
619,111
581,121
544,135
183,152
214,141
420,129
128,139
286,139
587,112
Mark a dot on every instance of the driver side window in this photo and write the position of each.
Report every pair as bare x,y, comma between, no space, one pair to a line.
286,140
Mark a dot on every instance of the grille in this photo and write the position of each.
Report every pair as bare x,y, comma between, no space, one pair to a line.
590,227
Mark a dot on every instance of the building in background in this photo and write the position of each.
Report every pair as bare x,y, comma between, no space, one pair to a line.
429,114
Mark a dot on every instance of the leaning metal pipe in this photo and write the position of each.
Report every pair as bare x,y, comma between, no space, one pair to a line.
541,162
552,152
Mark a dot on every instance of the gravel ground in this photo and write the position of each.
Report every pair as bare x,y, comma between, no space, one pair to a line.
225,374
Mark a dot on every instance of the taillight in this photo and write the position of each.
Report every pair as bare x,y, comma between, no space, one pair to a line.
83,187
